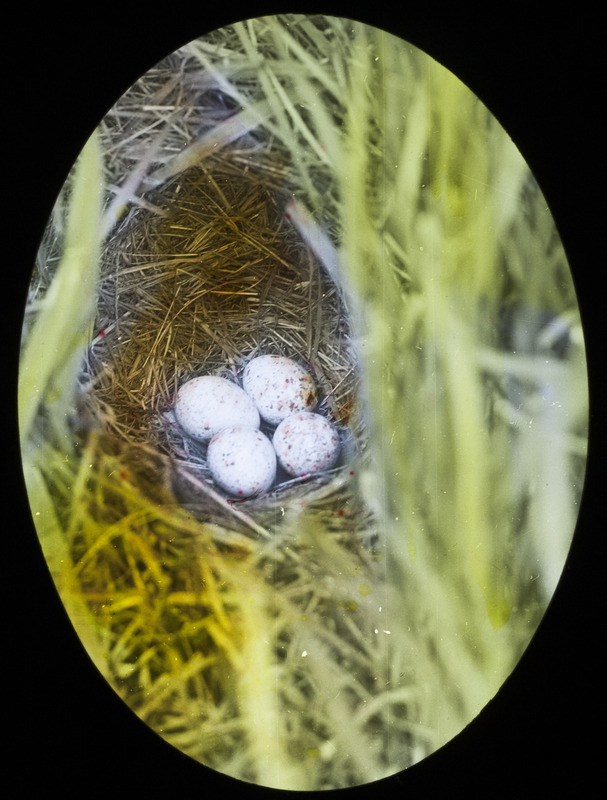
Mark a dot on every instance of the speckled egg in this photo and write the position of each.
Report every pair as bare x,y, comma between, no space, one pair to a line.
207,404
306,443
242,461
279,386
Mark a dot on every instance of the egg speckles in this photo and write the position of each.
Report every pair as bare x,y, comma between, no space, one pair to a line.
242,454
279,387
306,443
242,461
207,404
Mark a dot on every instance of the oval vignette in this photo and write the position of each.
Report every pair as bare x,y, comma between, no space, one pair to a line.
528,322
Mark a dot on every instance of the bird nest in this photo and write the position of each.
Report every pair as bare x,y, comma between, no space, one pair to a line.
206,273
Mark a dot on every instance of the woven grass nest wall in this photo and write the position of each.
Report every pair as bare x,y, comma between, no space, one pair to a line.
247,196
212,276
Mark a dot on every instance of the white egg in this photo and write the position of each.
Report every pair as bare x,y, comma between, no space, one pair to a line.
242,461
207,404
306,443
279,387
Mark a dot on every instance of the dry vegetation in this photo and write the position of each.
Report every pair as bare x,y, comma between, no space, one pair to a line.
310,187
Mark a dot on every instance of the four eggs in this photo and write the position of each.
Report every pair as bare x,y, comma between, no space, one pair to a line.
241,458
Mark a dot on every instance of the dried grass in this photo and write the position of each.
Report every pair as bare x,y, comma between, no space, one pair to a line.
341,628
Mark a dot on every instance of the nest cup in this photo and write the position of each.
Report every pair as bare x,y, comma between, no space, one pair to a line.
205,276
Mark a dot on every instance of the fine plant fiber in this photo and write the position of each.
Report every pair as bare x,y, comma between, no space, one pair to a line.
311,187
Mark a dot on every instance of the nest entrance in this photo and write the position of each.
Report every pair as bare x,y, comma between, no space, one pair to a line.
205,275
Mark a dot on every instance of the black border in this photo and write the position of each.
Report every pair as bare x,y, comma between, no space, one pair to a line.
540,75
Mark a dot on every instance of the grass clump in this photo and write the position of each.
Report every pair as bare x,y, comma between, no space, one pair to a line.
311,187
